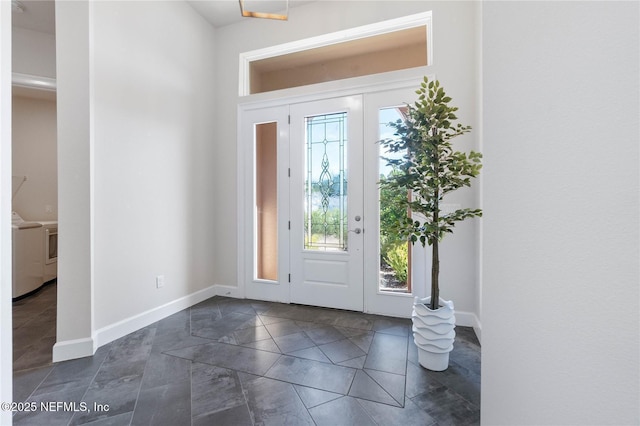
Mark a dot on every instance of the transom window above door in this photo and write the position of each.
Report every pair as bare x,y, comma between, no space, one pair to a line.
391,45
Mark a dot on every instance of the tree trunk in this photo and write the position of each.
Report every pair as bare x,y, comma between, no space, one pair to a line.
435,260
435,272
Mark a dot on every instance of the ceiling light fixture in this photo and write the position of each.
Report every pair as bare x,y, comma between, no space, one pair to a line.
265,15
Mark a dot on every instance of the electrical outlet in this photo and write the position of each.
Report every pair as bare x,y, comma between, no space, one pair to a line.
160,281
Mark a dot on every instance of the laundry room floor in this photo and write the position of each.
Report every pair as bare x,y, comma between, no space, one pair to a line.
245,362
34,328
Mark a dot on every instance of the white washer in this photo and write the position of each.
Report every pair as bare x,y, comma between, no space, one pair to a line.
28,256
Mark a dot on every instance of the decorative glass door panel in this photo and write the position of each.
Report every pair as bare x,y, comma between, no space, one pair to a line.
325,210
327,203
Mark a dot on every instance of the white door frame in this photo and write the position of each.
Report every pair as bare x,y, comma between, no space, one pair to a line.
395,305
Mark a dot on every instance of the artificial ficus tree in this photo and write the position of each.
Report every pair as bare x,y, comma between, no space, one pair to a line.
429,168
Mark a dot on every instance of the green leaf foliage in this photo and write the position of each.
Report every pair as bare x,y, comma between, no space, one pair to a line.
393,208
429,168
398,258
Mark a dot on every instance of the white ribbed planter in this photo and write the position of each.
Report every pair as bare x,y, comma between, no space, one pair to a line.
433,333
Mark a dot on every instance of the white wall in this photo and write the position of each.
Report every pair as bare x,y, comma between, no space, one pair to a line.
139,177
454,28
34,126
561,242
6,348
34,151
74,315
154,129
34,53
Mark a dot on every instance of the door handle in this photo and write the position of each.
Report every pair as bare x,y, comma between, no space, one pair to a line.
357,231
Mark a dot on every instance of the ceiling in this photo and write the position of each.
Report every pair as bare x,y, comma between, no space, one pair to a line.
224,12
35,15
39,15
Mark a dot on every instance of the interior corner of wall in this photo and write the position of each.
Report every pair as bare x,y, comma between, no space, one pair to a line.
478,330
469,319
229,291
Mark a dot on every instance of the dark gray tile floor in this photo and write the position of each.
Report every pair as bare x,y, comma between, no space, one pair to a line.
34,328
242,362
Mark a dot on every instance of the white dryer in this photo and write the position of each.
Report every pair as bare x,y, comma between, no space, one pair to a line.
28,256
50,250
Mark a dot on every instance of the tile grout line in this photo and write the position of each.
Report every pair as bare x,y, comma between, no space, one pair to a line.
276,361
245,392
190,380
38,386
146,363
245,395
383,388
92,380
363,364
359,402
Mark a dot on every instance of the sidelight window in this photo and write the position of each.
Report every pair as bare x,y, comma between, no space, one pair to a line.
266,201
395,252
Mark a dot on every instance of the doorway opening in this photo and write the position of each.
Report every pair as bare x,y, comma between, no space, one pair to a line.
34,225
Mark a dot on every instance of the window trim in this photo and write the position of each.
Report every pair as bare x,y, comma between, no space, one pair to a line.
392,25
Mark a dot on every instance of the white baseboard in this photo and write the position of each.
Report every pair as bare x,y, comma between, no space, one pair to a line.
80,348
129,325
229,291
72,349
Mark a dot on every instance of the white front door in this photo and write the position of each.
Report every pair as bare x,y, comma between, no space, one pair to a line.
313,217
326,203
